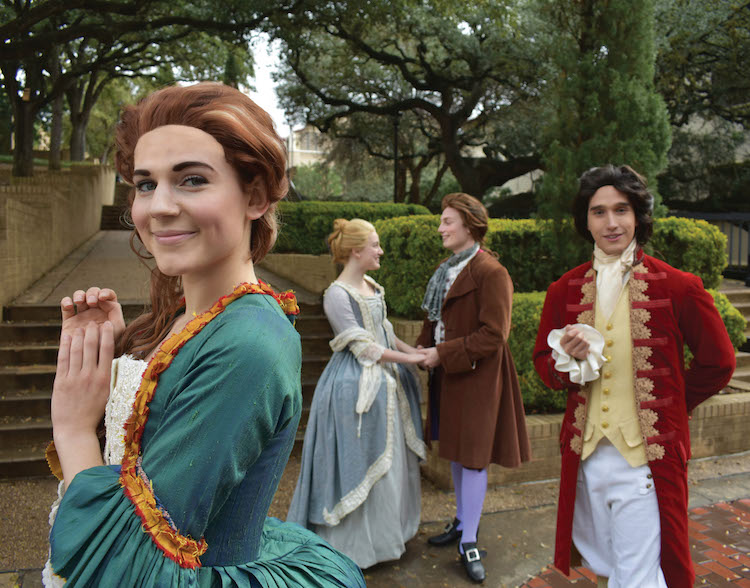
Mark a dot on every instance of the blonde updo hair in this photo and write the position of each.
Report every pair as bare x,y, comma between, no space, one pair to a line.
348,235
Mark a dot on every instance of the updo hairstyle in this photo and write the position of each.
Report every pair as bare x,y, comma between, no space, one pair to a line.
348,235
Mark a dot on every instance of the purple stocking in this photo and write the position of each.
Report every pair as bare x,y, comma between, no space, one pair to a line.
473,489
456,472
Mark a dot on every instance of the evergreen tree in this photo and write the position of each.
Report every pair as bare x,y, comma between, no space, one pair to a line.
603,106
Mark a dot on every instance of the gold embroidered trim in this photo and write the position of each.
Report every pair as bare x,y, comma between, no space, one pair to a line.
182,549
586,318
589,291
654,452
643,389
640,358
579,417
647,418
638,319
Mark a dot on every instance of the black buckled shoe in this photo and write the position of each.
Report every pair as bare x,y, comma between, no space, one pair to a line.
450,534
472,560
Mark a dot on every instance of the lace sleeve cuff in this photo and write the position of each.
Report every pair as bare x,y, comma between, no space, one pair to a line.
579,371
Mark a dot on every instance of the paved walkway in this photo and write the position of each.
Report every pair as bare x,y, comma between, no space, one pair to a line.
519,541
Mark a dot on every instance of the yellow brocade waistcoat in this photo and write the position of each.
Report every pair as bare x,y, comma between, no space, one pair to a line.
611,407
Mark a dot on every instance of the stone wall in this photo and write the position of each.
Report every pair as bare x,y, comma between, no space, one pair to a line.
313,272
44,218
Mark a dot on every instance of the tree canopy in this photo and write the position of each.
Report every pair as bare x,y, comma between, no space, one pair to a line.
469,74
74,48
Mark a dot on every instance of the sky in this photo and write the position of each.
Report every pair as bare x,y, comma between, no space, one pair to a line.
265,95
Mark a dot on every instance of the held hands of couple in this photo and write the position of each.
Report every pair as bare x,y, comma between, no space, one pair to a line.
430,357
574,343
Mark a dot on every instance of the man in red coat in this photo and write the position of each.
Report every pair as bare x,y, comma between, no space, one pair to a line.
612,332
475,407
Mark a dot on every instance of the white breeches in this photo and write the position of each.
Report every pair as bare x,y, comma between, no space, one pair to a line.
616,520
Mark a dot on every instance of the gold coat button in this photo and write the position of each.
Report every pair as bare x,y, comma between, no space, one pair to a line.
608,357
605,408
606,390
610,342
648,485
609,327
605,425
649,476
607,374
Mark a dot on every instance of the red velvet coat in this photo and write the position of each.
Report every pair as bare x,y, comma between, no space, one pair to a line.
669,308
481,416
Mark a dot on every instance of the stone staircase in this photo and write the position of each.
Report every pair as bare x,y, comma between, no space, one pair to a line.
28,353
739,296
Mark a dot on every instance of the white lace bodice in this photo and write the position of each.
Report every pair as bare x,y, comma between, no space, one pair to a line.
124,383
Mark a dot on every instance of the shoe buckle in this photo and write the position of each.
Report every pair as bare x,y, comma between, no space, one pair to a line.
448,528
472,555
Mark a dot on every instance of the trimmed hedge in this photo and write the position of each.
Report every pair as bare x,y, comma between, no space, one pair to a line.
692,245
535,253
527,310
305,226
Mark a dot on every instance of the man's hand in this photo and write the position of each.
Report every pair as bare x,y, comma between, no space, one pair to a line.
431,358
574,343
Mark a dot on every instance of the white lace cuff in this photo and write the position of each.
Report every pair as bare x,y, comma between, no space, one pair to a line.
580,371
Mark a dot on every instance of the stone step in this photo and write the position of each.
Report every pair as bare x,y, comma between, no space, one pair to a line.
737,295
17,432
25,403
46,313
29,354
30,378
743,360
23,462
112,219
45,352
46,335
313,324
313,365
742,374
29,333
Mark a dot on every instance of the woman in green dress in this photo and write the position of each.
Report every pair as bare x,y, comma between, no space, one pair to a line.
202,405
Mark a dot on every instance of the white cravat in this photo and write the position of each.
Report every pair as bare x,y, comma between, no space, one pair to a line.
612,272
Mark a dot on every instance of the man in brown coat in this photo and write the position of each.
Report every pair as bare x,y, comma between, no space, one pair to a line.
475,408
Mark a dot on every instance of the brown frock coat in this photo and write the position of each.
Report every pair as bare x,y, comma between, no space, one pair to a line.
481,415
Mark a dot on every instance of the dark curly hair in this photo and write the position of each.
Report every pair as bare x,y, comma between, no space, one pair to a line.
624,179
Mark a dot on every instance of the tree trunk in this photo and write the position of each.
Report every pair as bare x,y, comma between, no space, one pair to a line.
78,139
23,152
55,140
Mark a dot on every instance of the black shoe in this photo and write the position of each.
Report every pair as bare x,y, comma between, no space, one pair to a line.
448,536
472,560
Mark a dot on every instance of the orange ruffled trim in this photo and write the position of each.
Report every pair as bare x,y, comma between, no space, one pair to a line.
182,549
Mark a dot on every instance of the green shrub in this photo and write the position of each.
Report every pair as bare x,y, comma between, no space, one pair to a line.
306,225
694,246
535,252
537,398
733,319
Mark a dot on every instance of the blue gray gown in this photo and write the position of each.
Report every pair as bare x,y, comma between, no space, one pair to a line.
359,485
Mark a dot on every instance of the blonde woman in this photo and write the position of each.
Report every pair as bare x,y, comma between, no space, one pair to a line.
359,482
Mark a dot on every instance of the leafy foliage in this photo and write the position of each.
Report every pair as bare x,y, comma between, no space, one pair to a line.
602,104
306,225
465,74
529,250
